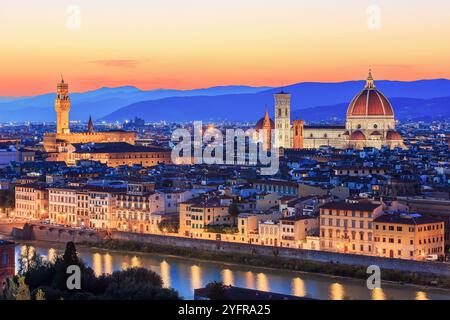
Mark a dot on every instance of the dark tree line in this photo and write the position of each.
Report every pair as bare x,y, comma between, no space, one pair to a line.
39,279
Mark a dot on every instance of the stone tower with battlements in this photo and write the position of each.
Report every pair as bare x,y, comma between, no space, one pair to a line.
62,108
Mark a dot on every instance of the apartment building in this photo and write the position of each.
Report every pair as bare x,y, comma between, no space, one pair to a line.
173,197
63,205
248,225
408,236
347,226
295,229
31,201
102,206
198,213
136,207
269,233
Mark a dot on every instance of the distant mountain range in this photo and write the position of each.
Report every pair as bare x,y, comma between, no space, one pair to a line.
410,99
100,102
423,99
405,109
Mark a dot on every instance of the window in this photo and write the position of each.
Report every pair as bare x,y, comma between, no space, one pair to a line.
5,259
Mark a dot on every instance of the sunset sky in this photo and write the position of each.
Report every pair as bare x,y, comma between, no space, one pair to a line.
187,44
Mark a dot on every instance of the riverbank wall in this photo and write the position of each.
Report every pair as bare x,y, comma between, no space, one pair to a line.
43,232
429,268
7,228
52,233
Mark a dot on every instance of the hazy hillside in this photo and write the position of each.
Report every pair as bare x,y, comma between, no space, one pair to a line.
99,102
229,102
405,109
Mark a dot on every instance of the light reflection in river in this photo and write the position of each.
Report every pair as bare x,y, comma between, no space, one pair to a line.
378,294
337,291
298,287
52,255
420,295
108,263
262,283
227,277
97,264
196,276
165,274
135,262
185,275
250,280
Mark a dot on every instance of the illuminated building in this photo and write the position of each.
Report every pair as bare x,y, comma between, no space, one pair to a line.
55,142
31,201
369,122
267,125
347,226
408,236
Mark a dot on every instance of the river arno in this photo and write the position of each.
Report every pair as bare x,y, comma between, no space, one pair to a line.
185,275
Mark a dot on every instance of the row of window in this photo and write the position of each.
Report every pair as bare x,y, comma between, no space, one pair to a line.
347,213
345,223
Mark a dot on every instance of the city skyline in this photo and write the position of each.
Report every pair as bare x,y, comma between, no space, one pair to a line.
196,44
245,150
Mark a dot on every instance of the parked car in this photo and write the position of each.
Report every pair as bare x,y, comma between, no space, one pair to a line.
432,257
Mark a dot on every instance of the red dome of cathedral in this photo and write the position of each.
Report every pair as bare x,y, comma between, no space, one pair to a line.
260,124
393,135
357,135
370,102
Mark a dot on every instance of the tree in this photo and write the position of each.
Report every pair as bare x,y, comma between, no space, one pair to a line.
69,258
137,276
168,225
28,260
48,281
216,291
16,289
40,295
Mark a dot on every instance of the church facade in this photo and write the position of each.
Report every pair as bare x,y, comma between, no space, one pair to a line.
369,122
55,142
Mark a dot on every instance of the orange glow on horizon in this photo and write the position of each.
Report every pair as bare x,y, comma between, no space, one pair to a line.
198,43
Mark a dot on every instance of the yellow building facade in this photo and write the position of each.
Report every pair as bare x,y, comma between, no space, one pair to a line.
411,237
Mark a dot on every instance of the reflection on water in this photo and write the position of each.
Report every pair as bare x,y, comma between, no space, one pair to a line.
165,274
378,294
185,275
262,283
249,280
227,277
337,291
420,295
97,264
108,263
196,276
52,255
135,262
298,287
